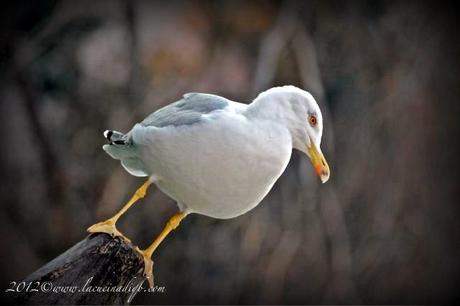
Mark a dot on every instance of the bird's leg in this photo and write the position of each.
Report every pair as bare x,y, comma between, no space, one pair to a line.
172,224
108,226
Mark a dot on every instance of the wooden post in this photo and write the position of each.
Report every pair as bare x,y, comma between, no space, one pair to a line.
97,263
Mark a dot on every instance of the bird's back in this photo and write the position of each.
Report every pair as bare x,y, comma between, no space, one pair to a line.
191,109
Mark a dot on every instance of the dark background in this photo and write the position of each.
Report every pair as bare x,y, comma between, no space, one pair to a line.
383,230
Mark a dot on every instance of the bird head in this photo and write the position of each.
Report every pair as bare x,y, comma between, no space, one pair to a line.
300,113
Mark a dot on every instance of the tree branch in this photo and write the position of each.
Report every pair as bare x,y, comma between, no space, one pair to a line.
97,263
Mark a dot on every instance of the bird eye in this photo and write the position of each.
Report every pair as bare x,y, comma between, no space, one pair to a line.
312,120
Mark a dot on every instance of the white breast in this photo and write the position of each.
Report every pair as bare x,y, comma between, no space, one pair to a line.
221,168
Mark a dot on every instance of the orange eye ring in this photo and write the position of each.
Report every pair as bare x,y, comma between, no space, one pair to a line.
312,120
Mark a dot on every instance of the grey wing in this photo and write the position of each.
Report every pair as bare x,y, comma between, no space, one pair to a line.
187,111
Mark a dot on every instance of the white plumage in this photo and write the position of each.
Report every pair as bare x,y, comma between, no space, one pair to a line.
220,158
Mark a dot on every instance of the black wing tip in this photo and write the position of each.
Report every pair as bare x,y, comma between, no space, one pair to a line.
115,137
108,134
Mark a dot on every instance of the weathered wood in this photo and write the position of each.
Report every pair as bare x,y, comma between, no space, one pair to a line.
97,263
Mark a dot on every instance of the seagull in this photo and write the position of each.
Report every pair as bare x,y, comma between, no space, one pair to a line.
216,157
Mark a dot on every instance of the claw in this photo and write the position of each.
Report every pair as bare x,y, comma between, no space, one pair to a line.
148,267
107,227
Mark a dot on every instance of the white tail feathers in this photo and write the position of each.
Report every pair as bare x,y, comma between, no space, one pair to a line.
122,148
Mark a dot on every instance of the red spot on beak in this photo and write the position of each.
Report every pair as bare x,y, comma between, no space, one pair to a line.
319,170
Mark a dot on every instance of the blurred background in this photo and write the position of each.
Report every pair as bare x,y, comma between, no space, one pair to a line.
383,230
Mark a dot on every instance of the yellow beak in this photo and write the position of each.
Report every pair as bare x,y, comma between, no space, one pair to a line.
319,163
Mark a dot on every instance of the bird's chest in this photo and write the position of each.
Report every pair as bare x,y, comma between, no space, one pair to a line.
222,170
